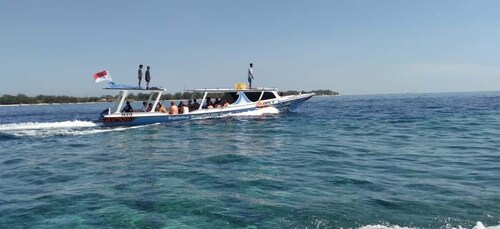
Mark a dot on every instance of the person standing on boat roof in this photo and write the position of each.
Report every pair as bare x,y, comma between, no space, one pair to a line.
147,77
250,75
139,75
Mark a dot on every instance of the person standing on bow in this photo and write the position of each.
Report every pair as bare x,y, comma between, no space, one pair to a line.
250,75
147,77
139,75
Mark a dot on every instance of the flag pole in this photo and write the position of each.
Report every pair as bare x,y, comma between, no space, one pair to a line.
110,83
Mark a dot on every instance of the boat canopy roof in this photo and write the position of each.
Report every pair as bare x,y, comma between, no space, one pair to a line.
136,89
224,90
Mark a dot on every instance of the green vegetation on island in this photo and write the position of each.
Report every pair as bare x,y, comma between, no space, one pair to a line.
24,99
39,99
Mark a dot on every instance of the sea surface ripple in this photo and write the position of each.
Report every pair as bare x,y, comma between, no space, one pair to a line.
381,161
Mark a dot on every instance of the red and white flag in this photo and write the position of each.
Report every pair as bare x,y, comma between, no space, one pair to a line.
102,76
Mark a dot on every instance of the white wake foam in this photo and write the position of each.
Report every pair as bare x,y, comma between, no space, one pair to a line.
384,227
479,225
46,125
45,129
258,112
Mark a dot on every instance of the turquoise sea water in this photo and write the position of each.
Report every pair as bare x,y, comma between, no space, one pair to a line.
384,161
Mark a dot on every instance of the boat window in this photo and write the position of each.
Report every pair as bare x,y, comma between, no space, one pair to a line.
253,96
268,95
230,97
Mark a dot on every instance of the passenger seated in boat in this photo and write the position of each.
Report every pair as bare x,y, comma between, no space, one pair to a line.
208,103
217,103
128,108
194,106
190,105
144,106
150,107
161,108
173,108
181,107
225,103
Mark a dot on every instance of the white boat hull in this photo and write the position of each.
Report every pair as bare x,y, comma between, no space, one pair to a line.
271,106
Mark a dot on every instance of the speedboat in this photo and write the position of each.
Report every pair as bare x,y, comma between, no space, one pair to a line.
239,101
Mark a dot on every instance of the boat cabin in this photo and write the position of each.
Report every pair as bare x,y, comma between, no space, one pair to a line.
236,96
233,97
154,97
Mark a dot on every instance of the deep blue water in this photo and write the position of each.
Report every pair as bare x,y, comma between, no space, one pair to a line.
383,161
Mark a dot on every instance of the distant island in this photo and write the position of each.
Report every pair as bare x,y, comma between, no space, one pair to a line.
41,99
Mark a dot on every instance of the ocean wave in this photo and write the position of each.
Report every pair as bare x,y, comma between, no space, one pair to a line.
6,136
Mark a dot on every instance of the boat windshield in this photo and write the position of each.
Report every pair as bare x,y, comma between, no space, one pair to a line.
268,95
254,96
231,97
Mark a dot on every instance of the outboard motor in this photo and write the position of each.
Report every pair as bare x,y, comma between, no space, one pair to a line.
103,113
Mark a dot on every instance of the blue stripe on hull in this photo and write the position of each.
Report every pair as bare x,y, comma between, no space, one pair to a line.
172,118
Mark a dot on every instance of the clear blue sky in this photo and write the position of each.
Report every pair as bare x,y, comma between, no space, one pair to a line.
354,47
